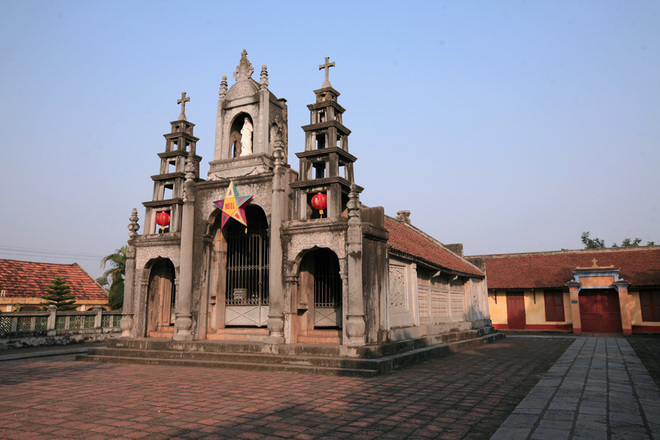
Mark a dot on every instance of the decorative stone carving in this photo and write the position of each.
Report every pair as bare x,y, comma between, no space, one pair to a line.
398,297
244,70
403,217
223,87
126,325
263,80
133,226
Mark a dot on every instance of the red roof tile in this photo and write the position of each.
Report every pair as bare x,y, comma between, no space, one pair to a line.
638,265
25,279
410,240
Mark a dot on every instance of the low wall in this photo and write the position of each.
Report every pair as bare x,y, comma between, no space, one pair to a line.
53,327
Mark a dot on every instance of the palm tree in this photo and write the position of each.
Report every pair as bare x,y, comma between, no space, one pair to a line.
115,275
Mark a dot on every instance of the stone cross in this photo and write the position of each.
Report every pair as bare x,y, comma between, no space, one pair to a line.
182,101
327,67
595,262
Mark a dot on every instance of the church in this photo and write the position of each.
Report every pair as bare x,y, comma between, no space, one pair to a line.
259,252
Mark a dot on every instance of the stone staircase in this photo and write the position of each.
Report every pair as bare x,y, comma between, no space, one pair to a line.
322,359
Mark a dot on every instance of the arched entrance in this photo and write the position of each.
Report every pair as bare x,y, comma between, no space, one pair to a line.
320,287
246,294
161,299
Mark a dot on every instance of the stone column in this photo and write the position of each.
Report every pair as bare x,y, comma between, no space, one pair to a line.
275,282
574,294
355,326
624,304
126,323
183,323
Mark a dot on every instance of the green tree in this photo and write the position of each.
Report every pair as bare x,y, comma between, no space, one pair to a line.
629,243
59,295
592,243
597,243
114,276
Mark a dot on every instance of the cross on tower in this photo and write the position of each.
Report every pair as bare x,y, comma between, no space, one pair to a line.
182,101
327,67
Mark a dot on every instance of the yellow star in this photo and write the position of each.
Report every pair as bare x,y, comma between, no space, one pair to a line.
233,205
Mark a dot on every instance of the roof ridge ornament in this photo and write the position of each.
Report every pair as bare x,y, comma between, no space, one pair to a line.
327,67
244,70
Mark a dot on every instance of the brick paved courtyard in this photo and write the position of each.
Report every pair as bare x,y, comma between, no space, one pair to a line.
465,395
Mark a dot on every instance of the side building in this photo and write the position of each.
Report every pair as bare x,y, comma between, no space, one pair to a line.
612,290
23,283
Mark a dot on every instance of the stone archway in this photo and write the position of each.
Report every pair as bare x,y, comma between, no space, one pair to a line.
239,288
320,288
161,299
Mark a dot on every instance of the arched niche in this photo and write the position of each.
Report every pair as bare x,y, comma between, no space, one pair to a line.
237,135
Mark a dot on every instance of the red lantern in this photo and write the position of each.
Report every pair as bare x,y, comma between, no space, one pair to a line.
320,202
163,219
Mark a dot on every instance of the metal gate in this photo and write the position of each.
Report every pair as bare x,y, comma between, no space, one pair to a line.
246,297
327,289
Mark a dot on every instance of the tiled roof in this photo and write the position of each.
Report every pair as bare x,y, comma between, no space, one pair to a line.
411,241
638,265
25,279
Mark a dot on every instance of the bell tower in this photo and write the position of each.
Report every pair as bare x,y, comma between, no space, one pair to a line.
249,120
326,166
168,183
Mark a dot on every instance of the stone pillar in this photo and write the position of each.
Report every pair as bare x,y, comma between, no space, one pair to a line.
51,329
183,322
625,305
355,326
126,323
275,282
574,294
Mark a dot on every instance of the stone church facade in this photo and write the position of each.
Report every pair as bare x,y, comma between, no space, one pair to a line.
289,272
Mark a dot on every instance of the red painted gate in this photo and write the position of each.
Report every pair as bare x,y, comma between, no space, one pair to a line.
515,311
600,311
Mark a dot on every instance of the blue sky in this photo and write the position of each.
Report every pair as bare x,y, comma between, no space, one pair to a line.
509,126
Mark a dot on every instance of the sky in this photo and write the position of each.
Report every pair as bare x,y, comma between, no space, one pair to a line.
508,126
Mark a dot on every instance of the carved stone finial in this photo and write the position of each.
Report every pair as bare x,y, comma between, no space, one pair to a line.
264,77
133,226
244,69
403,217
278,151
182,101
223,87
353,204
327,67
190,168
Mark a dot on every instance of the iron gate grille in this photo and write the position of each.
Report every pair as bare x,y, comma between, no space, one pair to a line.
327,282
247,267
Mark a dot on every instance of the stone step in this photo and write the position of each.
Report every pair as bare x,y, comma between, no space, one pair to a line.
252,358
303,358
303,369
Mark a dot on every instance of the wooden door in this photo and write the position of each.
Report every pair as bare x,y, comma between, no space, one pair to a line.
515,311
600,311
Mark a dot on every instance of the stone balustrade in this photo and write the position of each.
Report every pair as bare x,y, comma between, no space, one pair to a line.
51,327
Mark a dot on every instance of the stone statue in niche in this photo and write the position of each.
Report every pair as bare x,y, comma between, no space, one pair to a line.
246,138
